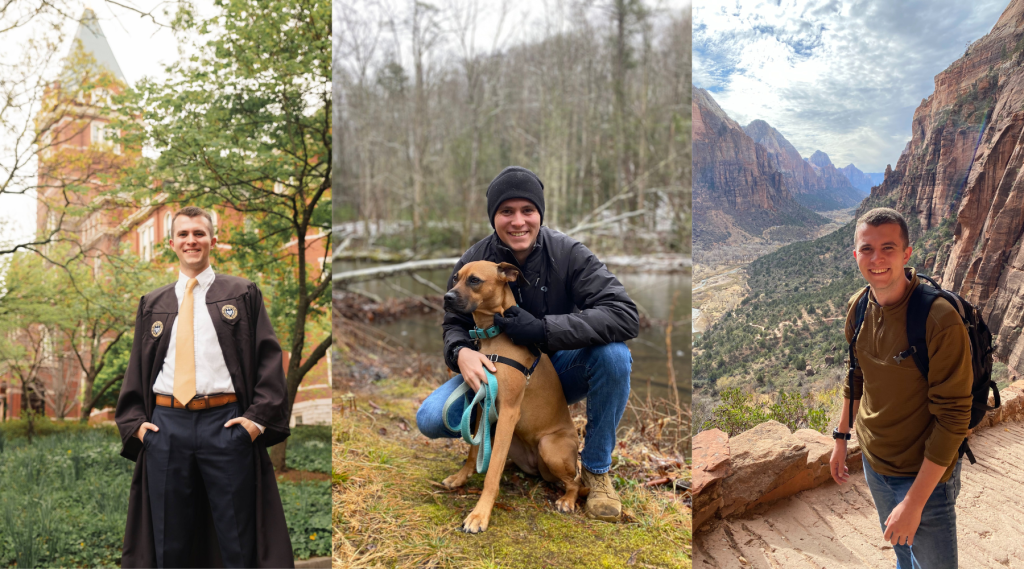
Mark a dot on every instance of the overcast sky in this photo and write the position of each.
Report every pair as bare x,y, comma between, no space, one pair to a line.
840,77
141,47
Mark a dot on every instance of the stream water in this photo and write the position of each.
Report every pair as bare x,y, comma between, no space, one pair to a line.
653,293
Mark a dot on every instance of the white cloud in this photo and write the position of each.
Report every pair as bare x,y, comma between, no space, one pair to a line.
840,77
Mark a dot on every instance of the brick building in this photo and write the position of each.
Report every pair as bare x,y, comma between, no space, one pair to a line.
77,154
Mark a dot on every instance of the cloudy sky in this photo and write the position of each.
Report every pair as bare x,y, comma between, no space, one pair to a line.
841,77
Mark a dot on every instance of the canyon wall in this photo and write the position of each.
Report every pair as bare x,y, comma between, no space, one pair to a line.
739,193
963,170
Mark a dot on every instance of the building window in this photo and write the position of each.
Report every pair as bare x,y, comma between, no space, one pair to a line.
213,214
147,236
167,225
97,134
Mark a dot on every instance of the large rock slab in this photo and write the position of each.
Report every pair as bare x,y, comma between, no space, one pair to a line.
710,458
710,467
762,459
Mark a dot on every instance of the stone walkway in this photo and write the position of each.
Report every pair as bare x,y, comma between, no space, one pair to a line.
832,527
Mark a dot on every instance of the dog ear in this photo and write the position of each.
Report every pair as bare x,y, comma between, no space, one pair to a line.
508,272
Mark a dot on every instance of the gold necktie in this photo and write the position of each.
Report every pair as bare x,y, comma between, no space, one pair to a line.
185,349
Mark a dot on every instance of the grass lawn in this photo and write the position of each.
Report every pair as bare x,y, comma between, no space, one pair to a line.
64,498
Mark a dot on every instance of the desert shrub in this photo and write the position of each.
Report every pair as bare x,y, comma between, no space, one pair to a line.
739,411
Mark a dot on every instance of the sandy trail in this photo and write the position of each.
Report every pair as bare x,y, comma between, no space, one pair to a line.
837,526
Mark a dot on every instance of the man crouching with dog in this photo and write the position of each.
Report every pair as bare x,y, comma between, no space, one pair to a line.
568,305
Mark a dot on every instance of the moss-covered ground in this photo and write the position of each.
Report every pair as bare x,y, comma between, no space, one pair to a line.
390,509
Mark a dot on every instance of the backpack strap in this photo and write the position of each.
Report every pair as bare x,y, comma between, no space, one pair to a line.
918,307
862,308
917,318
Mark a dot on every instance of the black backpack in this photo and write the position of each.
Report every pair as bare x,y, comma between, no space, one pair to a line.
917,316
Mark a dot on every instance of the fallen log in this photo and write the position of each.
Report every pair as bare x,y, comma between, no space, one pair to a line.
374,273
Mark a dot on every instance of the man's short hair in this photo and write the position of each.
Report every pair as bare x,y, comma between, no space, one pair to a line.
192,211
883,215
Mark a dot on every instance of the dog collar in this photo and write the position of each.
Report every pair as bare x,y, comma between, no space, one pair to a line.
481,334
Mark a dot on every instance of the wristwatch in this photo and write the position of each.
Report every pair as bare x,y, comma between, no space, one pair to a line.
837,435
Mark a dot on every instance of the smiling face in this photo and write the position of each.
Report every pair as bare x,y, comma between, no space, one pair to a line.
881,255
480,286
191,240
517,223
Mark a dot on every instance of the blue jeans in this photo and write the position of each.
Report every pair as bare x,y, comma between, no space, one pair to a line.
599,373
935,541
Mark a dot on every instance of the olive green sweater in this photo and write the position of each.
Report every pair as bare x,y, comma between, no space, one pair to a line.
904,417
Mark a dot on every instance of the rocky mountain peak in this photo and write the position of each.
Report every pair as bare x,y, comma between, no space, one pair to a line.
819,159
766,135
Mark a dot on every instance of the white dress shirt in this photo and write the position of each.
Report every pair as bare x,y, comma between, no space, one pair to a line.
212,374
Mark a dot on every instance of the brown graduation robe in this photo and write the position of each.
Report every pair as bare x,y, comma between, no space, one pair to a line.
253,357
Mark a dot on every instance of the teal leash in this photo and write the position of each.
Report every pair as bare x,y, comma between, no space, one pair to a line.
487,397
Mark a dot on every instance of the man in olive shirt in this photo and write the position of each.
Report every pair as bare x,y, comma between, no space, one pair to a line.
910,427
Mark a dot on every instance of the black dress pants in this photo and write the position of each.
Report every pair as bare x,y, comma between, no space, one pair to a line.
192,456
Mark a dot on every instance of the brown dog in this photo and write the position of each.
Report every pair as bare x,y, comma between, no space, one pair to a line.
534,427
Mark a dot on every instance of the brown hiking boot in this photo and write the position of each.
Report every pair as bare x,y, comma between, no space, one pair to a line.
603,502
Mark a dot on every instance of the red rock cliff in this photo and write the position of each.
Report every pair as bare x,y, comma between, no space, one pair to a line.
818,178
729,169
965,165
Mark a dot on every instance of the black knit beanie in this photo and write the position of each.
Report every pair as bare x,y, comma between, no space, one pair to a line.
515,182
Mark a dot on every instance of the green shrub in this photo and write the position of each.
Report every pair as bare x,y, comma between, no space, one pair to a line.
64,499
309,448
1000,374
739,411
44,426
309,521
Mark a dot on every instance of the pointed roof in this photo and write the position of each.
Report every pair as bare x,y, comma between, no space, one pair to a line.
93,41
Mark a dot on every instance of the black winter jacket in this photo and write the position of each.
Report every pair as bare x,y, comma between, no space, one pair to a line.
564,283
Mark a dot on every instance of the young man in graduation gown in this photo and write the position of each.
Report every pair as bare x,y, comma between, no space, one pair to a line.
202,399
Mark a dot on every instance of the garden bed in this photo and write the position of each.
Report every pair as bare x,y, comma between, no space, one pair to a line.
64,498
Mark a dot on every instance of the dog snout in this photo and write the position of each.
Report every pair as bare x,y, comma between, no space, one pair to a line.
450,299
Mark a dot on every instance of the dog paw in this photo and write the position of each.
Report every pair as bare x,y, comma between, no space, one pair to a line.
453,481
475,523
566,505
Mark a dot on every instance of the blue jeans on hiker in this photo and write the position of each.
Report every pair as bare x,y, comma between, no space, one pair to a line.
935,541
598,373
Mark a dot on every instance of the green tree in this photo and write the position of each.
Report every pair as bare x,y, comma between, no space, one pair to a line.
28,316
101,295
244,126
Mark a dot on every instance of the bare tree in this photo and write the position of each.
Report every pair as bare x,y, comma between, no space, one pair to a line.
588,96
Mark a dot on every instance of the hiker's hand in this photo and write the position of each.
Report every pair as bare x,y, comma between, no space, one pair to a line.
840,472
521,327
901,525
471,364
146,427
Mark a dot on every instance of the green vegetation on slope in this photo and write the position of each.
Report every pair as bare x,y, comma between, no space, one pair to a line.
794,314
